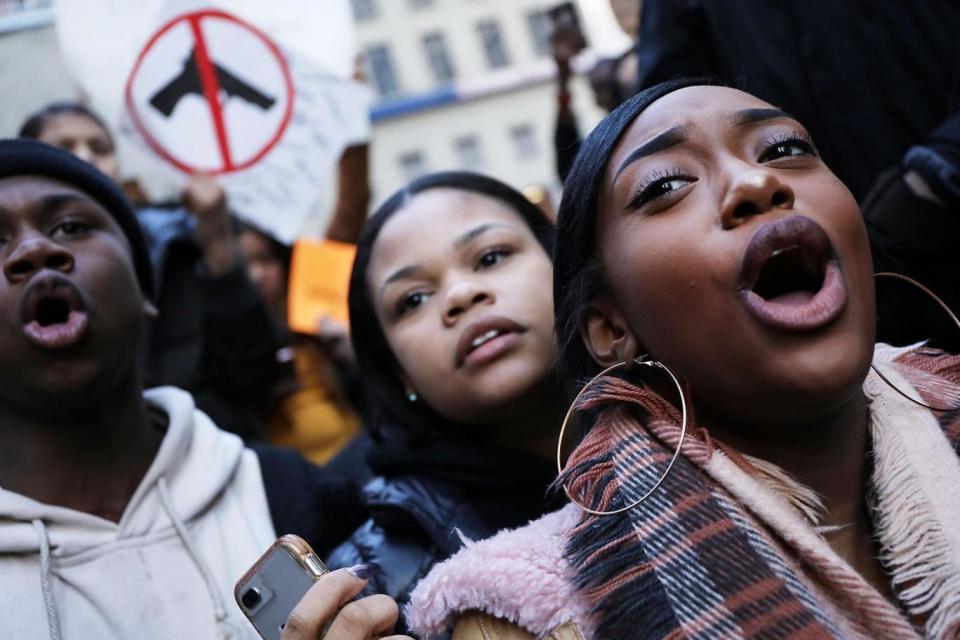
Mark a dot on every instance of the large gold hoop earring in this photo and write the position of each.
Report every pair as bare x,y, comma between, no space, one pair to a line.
936,298
683,432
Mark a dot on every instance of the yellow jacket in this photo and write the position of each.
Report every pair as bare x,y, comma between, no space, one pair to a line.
315,417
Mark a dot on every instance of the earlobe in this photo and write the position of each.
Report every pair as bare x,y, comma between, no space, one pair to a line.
607,336
408,390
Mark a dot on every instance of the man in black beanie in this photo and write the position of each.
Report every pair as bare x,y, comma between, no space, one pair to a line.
122,513
213,335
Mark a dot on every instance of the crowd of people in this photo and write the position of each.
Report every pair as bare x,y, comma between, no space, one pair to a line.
682,409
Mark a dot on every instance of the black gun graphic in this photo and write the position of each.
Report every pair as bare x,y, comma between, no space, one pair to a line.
166,99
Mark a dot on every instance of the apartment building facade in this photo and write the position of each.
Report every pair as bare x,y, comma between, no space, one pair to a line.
463,84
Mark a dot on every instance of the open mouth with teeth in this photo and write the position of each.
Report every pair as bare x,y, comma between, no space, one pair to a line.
486,340
54,316
790,277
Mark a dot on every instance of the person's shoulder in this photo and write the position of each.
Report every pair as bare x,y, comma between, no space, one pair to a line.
519,576
920,359
392,538
424,509
165,221
933,374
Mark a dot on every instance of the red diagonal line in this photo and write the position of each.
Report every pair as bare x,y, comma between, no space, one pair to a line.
211,91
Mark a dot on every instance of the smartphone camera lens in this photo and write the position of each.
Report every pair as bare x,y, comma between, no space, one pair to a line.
251,598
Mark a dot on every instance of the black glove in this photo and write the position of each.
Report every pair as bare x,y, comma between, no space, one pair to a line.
938,161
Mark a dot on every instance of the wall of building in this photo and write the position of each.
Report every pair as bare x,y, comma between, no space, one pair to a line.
429,118
32,74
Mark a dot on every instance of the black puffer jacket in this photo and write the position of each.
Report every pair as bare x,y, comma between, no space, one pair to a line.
426,496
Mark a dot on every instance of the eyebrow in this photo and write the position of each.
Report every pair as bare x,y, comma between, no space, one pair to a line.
753,116
400,274
479,230
679,134
669,138
459,242
52,203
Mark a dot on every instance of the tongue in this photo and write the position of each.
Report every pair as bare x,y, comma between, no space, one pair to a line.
793,298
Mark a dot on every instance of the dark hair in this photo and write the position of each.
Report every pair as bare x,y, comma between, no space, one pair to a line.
389,411
577,277
34,124
280,251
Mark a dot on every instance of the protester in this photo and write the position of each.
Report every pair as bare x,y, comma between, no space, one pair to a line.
451,316
310,408
892,69
124,513
213,336
611,79
810,498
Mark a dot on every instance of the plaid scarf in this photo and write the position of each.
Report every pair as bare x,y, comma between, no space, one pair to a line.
725,548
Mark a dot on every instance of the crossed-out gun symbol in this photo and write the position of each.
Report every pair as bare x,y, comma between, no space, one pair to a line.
166,99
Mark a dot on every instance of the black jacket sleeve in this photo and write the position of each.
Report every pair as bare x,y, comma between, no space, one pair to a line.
240,342
308,500
566,144
674,41
917,238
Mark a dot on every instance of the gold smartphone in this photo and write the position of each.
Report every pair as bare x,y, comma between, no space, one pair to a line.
273,586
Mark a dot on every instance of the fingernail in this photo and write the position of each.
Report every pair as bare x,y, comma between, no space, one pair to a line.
364,571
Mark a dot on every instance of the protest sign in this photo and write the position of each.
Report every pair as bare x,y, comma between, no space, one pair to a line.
318,283
226,88
240,74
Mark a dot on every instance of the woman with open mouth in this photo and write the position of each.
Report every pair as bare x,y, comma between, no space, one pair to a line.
744,472
451,311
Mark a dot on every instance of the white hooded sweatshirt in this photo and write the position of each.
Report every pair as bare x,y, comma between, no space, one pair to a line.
195,524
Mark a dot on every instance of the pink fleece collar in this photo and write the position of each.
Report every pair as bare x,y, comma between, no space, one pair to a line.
484,576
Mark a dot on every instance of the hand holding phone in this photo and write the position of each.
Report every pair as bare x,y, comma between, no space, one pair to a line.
289,595
273,586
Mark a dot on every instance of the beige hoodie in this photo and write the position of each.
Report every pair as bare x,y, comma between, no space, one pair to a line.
197,521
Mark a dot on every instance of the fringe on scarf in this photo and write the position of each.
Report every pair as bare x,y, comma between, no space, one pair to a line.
918,552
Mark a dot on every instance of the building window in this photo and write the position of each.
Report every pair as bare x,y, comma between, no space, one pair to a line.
468,152
364,9
436,47
524,141
412,165
382,68
419,4
493,46
541,28
25,14
11,6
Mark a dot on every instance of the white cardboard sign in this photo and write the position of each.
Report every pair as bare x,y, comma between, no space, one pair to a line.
206,90
210,93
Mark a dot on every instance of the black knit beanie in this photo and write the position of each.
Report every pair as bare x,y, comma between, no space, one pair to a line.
22,157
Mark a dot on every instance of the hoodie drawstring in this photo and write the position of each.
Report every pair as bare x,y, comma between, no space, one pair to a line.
53,622
227,630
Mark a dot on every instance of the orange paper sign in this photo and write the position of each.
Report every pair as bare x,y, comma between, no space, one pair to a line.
319,279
